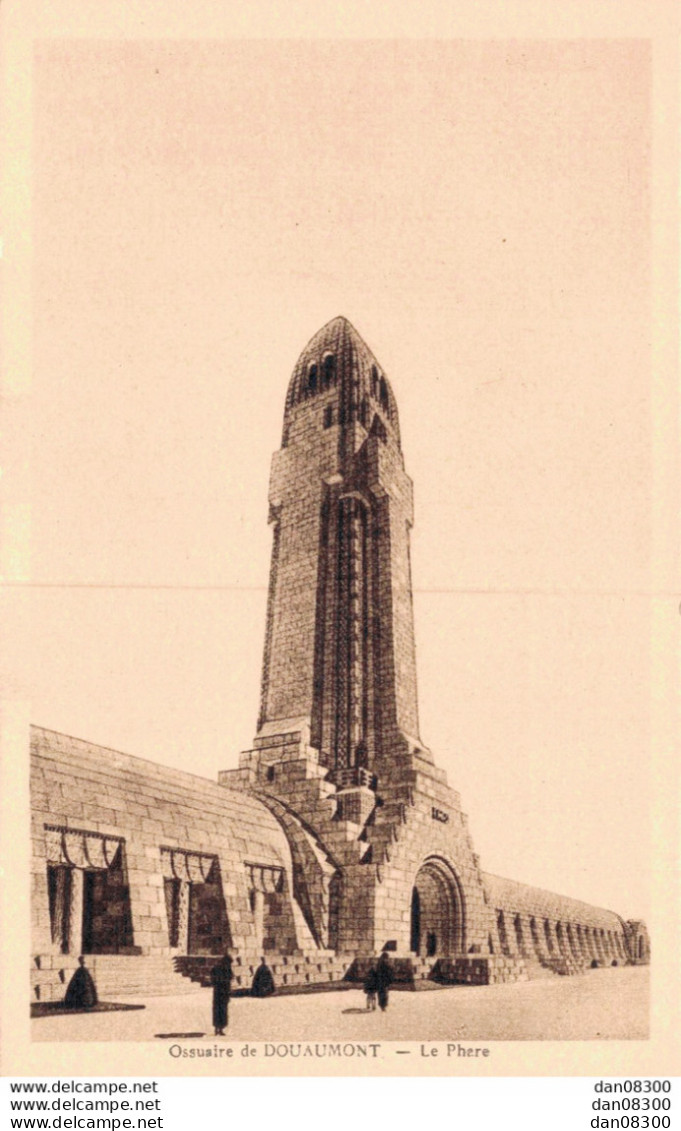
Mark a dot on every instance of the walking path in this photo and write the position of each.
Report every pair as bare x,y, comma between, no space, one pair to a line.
602,1004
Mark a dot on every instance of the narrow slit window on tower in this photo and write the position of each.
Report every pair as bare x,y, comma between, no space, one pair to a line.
312,379
378,429
328,416
329,371
363,412
374,381
384,393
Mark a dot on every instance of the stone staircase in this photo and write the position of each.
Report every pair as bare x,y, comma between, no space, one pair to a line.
555,965
115,975
50,975
290,972
565,964
538,969
386,826
422,969
480,970
412,973
314,800
296,779
146,975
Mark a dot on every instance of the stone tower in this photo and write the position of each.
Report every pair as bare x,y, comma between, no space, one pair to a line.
337,836
382,853
339,652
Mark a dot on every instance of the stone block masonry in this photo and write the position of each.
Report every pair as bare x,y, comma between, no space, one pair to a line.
133,859
338,747
338,836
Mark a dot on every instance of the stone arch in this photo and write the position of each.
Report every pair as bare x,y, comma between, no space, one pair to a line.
535,937
560,938
588,943
383,393
547,936
437,910
503,934
600,945
519,935
637,942
328,370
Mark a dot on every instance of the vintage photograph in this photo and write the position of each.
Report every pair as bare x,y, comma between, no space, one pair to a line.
341,564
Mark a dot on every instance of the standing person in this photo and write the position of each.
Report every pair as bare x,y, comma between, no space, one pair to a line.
384,980
221,979
370,988
81,992
263,982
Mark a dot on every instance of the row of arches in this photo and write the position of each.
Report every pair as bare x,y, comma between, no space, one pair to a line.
318,377
532,937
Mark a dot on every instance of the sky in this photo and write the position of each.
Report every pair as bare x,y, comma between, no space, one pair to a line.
480,210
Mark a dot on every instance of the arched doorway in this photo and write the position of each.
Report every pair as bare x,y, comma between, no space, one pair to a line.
437,913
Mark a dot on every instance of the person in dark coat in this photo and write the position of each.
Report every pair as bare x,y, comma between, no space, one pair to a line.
221,979
263,982
370,988
81,992
384,980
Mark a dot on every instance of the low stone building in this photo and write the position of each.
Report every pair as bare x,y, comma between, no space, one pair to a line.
337,836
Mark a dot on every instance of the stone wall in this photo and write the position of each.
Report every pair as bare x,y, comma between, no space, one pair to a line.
563,933
103,819
337,833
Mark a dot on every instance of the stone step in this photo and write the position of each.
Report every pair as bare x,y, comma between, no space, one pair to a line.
179,988
143,975
538,970
327,968
114,976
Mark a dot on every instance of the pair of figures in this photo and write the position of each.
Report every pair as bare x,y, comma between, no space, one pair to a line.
221,980
377,983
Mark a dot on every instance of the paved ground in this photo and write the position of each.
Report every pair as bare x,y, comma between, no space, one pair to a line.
602,1004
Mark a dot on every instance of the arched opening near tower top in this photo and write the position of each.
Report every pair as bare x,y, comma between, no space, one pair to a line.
437,911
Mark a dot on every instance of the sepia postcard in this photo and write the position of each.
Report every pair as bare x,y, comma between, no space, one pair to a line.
339,542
